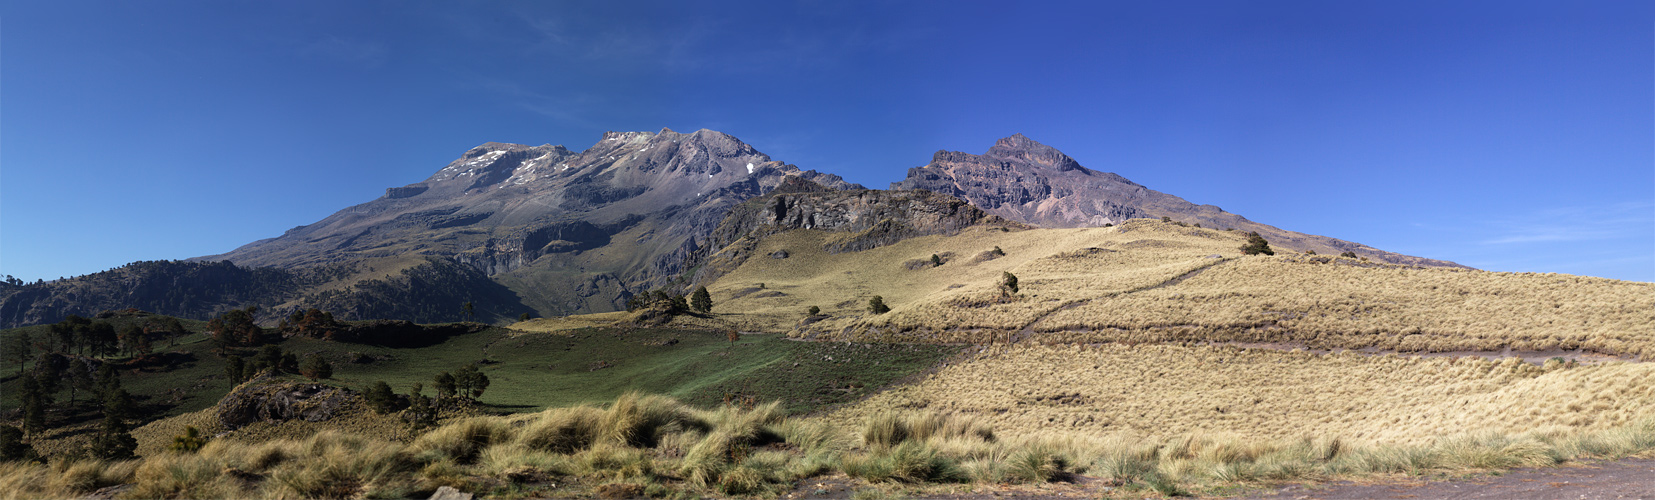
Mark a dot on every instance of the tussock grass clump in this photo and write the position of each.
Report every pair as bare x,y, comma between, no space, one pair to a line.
463,440
82,476
563,430
891,429
760,452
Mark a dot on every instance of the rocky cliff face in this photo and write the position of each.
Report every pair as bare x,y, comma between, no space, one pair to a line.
1026,181
871,218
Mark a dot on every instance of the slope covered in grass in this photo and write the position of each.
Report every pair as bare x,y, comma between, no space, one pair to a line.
1162,390
1152,281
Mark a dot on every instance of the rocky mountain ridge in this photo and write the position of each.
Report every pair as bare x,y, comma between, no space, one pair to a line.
546,230
1026,181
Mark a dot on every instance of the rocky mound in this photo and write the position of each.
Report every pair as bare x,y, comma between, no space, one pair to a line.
266,399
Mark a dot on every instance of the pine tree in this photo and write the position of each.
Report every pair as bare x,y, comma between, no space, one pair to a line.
119,404
380,397
289,363
12,447
114,441
48,371
316,368
877,305
79,377
33,403
420,412
470,382
20,347
1256,245
445,385
701,301
109,380
235,369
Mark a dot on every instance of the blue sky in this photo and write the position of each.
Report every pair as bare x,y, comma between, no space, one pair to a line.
1508,136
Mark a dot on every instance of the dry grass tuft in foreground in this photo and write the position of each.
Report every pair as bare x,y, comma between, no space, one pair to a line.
653,446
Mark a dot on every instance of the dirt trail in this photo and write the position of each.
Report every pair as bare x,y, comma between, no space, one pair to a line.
1028,330
1632,478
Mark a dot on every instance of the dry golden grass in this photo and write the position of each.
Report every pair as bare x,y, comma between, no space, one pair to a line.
962,293
563,324
1295,299
1162,390
1148,281
654,446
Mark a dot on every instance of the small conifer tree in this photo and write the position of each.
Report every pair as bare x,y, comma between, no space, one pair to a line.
12,447
701,301
1256,245
190,442
380,397
316,368
877,305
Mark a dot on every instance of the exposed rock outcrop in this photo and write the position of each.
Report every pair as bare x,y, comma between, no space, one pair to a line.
269,400
873,219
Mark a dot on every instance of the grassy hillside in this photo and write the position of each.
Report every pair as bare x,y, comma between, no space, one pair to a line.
1149,281
528,371
1165,390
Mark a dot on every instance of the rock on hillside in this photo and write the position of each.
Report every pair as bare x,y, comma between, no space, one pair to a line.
265,399
1026,181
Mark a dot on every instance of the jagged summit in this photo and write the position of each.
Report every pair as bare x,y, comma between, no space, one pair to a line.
1023,180
1021,147
530,210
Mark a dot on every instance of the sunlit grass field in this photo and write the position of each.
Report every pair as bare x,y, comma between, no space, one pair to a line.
1165,390
1150,281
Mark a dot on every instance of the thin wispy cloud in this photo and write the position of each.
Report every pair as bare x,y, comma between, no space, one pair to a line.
567,109
368,54
1577,224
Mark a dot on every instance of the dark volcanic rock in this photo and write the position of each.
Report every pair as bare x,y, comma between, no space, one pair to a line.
263,399
1026,181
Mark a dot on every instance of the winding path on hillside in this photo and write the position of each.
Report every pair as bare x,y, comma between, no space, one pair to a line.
1028,329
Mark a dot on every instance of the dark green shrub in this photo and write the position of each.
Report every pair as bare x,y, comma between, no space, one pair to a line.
1256,245
190,442
877,305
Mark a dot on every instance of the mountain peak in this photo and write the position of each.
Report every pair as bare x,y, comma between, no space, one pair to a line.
1021,147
